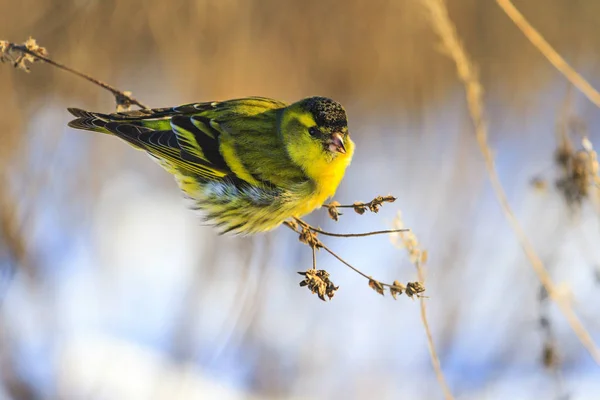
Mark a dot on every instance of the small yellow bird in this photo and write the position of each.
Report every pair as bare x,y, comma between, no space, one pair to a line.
248,164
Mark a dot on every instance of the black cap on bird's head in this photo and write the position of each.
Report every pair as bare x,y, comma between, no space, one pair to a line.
331,120
327,113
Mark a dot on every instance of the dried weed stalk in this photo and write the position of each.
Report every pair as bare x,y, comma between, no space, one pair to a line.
30,52
578,179
318,280
418,257
443,26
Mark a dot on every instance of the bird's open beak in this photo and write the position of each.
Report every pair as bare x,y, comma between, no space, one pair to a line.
336,143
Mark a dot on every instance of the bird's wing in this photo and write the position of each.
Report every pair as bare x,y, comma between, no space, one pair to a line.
188,137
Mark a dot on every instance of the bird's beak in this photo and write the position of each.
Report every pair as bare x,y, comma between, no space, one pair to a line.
336,143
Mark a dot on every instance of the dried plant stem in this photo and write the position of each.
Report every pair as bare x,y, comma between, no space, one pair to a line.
321,245
435,360
444,27
121,96
348,235
551,55
347,264
418,257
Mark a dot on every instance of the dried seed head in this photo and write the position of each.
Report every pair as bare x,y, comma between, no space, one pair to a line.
310,238
334,213
123,101
593,165
318,282
550,357
373,205
17,55
564,153
389,199
575,182
4,46
376,286
397,289
377,202
414,289
360,208
32,45
579,170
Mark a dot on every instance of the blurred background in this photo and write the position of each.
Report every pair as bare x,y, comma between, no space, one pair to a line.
111,289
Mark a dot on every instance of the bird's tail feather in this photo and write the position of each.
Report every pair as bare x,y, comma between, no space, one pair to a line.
89,121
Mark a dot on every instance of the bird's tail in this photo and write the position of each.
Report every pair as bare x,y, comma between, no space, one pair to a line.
89,121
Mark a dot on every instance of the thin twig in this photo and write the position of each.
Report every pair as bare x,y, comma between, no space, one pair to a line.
346,263
348,235
321,245
359,207
315,244
121,96
446,30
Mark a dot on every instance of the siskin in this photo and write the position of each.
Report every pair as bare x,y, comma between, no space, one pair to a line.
248,164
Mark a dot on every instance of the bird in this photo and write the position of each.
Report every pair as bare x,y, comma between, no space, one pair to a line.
246,164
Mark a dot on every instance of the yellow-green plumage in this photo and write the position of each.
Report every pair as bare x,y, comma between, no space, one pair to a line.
249,164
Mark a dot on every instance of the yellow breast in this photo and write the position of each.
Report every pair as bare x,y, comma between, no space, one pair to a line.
326,176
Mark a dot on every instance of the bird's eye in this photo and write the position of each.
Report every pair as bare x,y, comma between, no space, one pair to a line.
315,132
